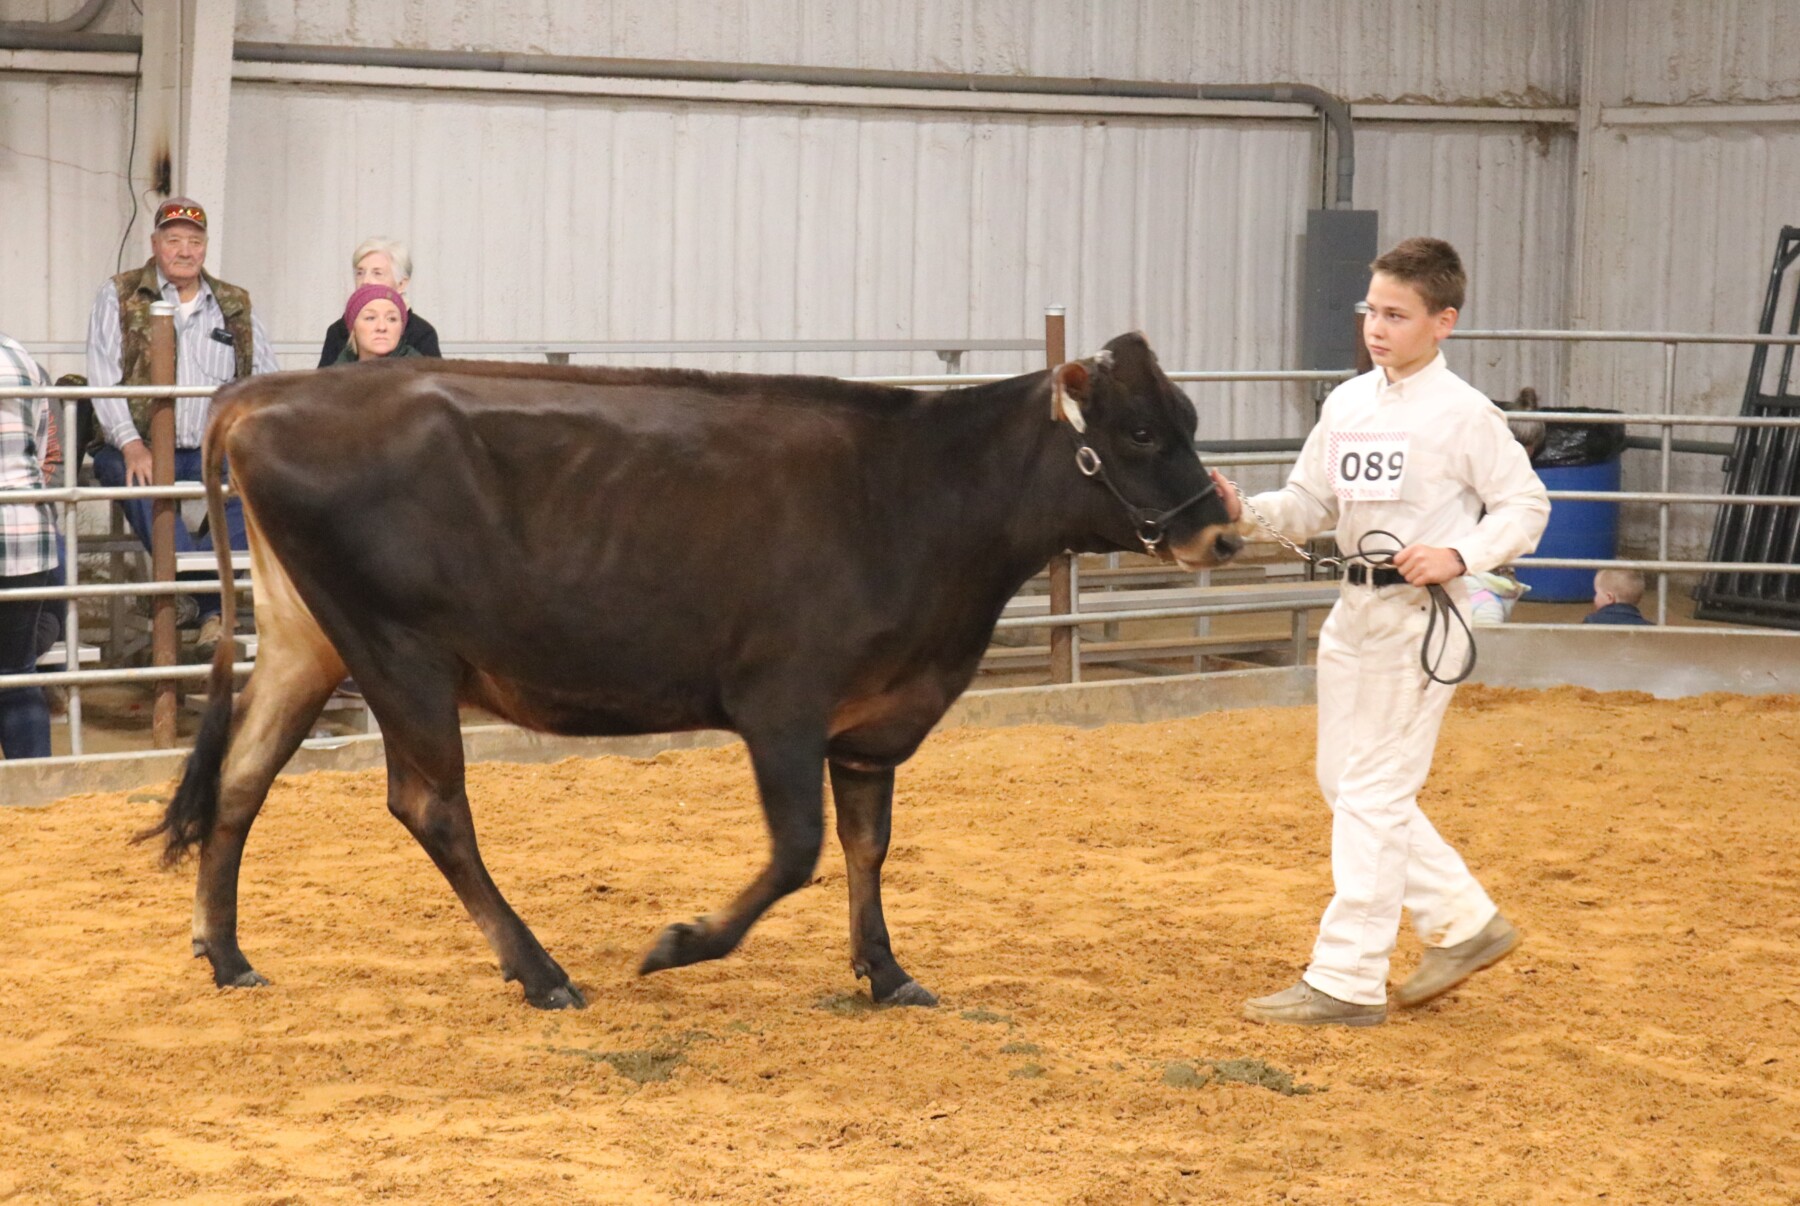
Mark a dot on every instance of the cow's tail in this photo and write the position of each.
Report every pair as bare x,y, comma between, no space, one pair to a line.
194,806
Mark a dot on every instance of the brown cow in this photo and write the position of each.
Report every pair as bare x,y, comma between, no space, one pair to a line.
814,564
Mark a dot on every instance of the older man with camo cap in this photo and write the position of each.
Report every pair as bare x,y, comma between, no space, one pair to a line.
217,339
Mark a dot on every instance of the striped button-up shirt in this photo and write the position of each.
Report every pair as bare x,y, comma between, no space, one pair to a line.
199,360
27,530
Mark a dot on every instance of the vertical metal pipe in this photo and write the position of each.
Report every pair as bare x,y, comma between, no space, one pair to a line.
1301,625
1662,509
1074,630
164,514
71,571
1062,586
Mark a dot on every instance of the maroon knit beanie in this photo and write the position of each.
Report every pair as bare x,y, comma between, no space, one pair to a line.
367,294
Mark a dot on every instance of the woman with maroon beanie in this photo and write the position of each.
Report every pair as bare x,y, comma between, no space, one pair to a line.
381,261
375,317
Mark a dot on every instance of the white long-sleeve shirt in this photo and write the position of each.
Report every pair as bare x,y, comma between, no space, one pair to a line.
1457,457
199,360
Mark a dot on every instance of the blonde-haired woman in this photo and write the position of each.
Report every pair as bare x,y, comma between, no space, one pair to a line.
382,261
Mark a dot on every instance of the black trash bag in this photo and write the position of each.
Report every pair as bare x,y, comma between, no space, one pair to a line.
1572,445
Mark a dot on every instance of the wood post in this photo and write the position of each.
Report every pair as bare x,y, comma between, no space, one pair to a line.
164,514
1062,573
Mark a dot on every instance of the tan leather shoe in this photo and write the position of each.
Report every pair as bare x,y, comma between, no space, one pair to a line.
1304,1005
212,631
1444,967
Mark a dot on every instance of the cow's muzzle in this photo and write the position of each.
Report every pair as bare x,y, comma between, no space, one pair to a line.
1212,546
1152,527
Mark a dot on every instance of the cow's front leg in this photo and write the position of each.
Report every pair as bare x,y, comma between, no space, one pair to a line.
865,809
790,778
432,805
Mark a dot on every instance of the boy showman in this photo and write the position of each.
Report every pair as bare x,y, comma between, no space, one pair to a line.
1412,461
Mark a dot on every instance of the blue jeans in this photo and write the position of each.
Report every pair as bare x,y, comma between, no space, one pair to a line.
109,467
24,716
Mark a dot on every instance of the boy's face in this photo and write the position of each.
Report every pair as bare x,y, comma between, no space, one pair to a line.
1401,331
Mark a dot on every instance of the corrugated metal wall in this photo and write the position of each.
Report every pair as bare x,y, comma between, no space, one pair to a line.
63,194
1484,50
1677,52
569,218
1683,218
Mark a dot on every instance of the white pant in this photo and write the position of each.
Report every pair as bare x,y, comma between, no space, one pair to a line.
1378,724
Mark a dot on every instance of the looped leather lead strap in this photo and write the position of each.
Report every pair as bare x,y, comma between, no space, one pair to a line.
1442,607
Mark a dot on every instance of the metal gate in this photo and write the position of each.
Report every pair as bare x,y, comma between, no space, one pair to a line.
1764,461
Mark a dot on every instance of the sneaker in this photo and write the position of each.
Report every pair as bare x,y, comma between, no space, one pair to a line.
1444,967
206,641
1304,1005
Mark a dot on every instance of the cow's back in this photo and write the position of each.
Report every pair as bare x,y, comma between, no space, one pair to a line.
637,540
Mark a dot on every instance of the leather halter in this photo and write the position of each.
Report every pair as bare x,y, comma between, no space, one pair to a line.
1150,526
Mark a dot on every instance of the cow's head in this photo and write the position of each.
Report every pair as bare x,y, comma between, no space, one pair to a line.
1134,438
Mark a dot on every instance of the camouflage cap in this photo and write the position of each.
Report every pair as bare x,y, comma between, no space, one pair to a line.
180,209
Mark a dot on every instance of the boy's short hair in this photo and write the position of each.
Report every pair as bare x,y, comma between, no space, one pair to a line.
1429,265
1625,585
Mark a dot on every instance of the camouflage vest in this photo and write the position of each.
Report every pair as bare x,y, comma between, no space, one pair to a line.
137,289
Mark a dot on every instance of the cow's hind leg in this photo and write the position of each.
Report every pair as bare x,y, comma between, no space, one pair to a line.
790,777
296,670
426,794
865,805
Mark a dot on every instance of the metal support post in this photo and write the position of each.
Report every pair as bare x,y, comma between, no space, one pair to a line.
71,573
1062,566
1662,509
164,514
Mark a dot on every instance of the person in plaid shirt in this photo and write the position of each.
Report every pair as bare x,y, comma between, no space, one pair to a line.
28,551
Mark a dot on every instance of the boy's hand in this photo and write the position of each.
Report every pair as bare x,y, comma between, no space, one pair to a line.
1233,508
1426,565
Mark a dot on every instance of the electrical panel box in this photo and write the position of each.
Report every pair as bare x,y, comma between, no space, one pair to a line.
1340,243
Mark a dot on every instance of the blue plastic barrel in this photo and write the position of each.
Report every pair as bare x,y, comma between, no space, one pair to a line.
1576,529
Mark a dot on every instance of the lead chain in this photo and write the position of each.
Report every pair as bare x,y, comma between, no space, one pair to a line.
1324,563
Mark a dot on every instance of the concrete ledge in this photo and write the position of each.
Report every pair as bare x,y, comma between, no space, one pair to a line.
1669,663
42,781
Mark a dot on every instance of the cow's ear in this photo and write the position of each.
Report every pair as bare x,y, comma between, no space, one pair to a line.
1068,390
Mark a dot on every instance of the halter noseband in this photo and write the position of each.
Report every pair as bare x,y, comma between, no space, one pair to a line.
1151,526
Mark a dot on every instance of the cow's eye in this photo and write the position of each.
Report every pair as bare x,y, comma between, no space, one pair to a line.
1143,436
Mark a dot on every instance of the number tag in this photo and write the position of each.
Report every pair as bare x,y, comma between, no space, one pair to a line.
1368,466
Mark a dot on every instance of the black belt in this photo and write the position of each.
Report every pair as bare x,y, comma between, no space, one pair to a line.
1377,575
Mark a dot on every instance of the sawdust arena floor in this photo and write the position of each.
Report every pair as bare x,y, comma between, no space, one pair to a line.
1093,906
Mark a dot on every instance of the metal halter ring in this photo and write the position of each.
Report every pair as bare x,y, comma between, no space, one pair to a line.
1087,460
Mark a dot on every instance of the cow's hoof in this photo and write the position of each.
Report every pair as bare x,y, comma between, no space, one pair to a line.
677,946
248,978
563,996
911,993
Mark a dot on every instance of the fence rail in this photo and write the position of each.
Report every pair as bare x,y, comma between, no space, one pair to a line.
1069,618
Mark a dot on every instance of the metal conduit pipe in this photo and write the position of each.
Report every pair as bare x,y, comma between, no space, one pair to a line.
1335,112
79,20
